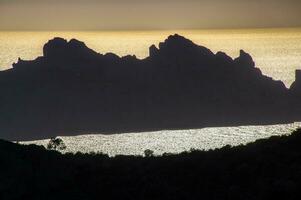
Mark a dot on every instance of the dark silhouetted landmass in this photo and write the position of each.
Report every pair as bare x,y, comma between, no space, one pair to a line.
266,169
73,90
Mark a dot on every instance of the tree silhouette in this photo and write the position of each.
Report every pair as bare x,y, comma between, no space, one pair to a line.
148,153
56,144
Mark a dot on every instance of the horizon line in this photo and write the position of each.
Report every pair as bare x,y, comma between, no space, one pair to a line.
149,30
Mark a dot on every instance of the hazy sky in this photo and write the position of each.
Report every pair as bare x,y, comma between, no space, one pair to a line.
147,14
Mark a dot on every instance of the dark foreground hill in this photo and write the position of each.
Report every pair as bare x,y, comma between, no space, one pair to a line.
72,90
266,169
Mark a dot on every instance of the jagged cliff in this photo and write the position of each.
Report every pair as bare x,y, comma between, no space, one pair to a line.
71,89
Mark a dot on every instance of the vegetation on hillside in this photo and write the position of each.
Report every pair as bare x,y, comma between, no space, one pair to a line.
266,169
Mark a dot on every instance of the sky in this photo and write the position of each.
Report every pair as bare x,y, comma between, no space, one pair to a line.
147,14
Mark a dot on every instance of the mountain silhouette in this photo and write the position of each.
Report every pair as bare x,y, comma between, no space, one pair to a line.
72,89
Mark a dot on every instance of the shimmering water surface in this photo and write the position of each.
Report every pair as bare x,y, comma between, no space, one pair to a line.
171,141
277,52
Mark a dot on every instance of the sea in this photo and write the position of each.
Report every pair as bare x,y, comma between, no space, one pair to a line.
276,52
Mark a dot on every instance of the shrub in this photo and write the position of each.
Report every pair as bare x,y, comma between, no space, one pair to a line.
56,144
148,153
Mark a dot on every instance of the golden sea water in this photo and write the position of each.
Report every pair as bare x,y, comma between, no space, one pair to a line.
170,141
277,52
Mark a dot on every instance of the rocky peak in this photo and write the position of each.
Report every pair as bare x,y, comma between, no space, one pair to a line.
176,42
245,59
61,49
298,75
222,56
176,46
296,86
73,43
54,47
153,50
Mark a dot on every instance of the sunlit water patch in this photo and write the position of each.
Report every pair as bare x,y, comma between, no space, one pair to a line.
170,141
